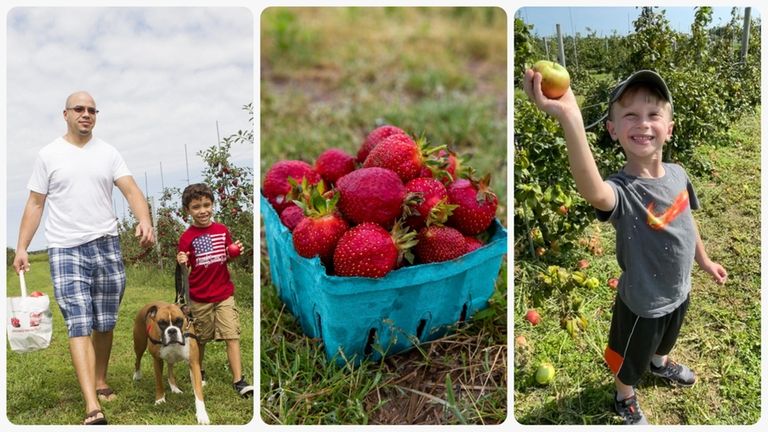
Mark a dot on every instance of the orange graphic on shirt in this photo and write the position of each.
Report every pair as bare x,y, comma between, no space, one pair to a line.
660,221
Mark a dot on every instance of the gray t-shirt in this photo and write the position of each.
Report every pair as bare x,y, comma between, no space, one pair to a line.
655,239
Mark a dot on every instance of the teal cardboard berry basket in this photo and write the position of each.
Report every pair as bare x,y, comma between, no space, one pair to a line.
365,318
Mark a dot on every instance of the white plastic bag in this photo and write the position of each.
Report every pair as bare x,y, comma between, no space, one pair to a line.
30,321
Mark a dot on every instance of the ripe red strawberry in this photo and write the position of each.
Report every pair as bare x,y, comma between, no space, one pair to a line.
401,154
426,202
291,216
476,205
371,195
473,243
333,164
276,186
368,250
439,243
318,233
373,139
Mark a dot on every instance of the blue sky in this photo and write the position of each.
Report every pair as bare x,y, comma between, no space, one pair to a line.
161,78
606,20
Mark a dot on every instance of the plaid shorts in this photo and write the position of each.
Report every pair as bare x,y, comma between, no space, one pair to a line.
88,283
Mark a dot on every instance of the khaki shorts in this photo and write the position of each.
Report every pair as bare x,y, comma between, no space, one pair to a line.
216,321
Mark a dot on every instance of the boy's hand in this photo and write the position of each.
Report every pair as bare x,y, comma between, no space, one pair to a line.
183,258
557,108
235,253
717,271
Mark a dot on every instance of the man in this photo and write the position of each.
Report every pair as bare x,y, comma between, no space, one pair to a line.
75,174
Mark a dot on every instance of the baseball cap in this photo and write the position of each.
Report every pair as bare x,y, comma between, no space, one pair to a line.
647,77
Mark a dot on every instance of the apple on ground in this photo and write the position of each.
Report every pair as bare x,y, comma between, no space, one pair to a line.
562,210
613,283
555,79
521,342
545,373
233,250
533,317
592,283
582,264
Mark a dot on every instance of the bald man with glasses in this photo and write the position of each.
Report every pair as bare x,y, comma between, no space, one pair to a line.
75,174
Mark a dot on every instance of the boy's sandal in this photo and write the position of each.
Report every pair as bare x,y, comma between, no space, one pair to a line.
96,420
106,394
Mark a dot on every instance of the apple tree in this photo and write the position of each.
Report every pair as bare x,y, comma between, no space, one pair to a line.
232,187
550,215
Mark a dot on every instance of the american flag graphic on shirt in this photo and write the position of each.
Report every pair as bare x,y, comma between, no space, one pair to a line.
209,249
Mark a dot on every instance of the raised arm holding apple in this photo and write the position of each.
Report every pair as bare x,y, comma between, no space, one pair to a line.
566,110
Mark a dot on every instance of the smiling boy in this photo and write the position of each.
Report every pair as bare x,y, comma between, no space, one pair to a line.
649,203
203,247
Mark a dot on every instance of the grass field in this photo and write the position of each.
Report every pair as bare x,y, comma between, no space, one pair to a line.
329,76
43,390
720,339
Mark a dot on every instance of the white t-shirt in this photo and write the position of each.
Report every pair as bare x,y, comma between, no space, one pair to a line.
78,183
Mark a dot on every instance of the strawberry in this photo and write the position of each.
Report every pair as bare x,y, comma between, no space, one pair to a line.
318,233
371,195
291,216
426,202
401,154
473,243
445,166
368,250
333,164
439,243
276,186
476,205
373,139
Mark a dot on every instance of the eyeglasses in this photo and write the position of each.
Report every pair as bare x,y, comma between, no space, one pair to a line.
81,109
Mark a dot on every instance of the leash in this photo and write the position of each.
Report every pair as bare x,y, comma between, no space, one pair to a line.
182,291
182,300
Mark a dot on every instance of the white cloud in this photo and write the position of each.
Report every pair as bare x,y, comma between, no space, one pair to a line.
161,78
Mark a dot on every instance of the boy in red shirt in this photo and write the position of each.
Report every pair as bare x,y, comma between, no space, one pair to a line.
203,247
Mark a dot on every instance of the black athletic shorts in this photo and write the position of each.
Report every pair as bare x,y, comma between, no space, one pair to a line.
633,340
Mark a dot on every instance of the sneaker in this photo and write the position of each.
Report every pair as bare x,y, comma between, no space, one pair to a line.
242,388
675,373
629,410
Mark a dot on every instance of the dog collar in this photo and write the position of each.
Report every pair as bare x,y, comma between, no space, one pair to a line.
149,332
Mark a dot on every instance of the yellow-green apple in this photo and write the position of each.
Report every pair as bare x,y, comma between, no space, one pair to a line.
545,373
555,79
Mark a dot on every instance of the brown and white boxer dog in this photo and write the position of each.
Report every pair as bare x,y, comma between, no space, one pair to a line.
164,328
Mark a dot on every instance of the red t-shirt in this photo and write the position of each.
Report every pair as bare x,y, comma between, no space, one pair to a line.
209,280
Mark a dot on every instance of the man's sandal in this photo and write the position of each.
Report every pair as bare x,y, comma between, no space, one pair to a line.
106,394
96,420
